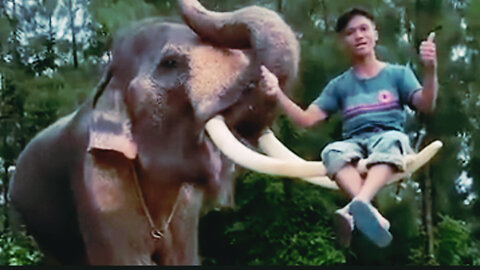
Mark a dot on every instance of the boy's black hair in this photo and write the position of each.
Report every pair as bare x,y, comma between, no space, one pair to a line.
345,18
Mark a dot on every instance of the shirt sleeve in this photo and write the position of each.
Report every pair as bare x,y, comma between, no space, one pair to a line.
328,100
408,84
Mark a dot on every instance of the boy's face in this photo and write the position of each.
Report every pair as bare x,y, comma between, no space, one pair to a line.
360,36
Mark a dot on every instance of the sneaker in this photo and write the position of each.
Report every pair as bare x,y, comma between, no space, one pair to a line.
367,222
343,224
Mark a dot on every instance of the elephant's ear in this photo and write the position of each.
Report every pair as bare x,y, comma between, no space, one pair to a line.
110,127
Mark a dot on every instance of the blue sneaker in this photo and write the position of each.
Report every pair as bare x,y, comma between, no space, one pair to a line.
367,222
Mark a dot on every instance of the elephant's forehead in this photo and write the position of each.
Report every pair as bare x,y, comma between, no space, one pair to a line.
213,71
142,45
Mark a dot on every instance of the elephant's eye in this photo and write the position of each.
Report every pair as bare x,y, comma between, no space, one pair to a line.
169,63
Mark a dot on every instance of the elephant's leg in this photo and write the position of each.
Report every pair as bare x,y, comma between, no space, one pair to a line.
180,243
113,225
41,199
58,240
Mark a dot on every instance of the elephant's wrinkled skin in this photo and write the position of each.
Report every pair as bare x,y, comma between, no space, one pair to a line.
75,184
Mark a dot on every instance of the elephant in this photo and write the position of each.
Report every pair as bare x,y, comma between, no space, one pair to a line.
125,178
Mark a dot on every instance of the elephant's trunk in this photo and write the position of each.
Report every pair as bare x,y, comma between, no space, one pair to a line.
253,27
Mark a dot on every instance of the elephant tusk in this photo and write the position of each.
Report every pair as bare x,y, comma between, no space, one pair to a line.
223,138
415,161
273,147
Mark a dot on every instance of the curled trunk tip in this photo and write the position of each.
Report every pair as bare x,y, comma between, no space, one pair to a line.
253,27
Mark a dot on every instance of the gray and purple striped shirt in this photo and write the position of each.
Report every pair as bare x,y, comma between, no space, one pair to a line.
370,103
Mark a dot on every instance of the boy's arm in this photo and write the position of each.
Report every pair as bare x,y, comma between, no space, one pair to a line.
304,118
425,99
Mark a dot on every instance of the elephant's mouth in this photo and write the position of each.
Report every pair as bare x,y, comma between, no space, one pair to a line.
226,142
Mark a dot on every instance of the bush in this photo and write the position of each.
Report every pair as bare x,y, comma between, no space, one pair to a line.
277,221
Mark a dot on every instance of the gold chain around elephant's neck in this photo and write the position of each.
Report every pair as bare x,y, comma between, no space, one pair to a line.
155,232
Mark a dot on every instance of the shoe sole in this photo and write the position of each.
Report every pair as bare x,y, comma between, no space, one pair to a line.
343,230
368,224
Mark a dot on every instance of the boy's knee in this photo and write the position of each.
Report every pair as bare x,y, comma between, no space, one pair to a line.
337,155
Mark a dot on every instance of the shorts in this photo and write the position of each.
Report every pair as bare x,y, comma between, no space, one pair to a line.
383,147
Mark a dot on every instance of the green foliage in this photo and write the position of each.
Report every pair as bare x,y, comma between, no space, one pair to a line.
113,15
277,221
454,244
18,249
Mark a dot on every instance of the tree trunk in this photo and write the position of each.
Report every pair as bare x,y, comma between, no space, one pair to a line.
280,6
325,15
5,186
50,26
428,220
72,28
425,13
16,44
4,192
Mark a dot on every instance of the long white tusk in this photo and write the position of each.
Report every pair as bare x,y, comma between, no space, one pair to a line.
273,147
245,157
415,161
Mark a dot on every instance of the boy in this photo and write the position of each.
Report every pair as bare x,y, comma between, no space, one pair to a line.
371,95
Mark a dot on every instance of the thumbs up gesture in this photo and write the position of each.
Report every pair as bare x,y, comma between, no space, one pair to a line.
428,52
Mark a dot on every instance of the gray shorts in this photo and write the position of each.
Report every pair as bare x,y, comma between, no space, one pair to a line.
387,147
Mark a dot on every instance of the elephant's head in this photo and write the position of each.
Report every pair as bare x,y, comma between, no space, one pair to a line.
154,146
166,81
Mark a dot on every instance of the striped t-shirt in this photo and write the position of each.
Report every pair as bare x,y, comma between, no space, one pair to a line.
369,103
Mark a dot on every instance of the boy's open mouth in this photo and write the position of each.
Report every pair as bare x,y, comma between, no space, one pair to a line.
360,44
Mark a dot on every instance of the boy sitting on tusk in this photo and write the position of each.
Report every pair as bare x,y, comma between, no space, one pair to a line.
371,95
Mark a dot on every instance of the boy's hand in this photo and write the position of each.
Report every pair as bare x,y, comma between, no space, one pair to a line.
428,52
269,82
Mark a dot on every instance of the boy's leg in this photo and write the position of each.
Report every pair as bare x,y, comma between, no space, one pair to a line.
365,215
350,182
387,151
338,157
378,175
353,188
